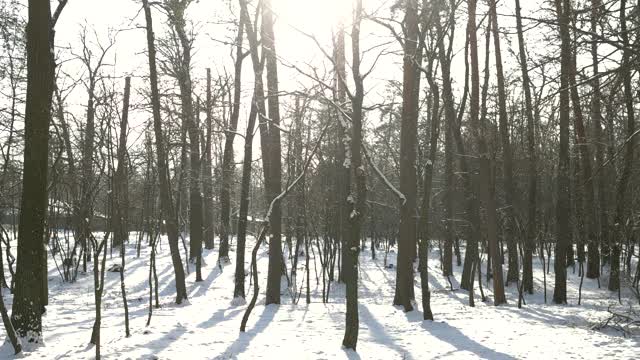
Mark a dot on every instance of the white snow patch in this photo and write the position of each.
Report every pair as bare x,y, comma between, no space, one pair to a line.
207,325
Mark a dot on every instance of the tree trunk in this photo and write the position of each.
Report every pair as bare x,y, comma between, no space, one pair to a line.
207,174
163,171
343,177
479,131
587,204
358,191
563,233
593,254
408,137
227,158
257,107
177,19
507,157
29,292
621,190
527,261
121,213
425,229
274,162
471,201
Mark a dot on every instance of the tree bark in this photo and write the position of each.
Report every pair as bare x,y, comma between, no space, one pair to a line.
404,293
507,157
471,200
163,171
257,108
274,162
593,253
227,157
529,243
177,20
121,213
343,178
563,233
29,292
479,132
425,228
207,174
358,191
622,188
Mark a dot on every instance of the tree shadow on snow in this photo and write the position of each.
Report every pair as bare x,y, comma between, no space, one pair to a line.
244,338
219,316
379,334
200,288
458,294
157,345
460,341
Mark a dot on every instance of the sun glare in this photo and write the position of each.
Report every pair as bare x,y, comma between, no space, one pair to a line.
312,15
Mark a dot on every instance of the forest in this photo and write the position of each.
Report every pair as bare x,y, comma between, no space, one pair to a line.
379,179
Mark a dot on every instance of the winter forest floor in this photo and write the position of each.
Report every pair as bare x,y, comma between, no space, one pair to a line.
207,326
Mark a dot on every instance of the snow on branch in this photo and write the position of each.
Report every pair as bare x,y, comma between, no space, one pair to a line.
273,123
384,179
298,178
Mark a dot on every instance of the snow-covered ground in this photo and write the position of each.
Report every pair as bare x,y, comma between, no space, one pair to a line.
207,326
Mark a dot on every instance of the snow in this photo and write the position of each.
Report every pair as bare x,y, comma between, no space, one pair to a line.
388,183
207,326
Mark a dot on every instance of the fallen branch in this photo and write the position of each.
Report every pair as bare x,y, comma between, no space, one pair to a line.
626,323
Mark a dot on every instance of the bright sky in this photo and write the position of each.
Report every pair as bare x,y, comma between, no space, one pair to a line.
210,19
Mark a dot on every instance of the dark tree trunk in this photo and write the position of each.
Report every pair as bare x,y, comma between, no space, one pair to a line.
479,131
563,233
471,200
357,193
257,108
85,211
425,228
527,261
207,174
177,20
274,161
621,190
121,213
163,171
343,178
507,157
98,283
586,203
227,157
404,293
593,254
30,286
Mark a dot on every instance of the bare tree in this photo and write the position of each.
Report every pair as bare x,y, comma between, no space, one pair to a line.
272,168
563,9
121,191
479,131
31,287
358,191
176,13
509,233
227,157
163,171
408,138
527,261
625,175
